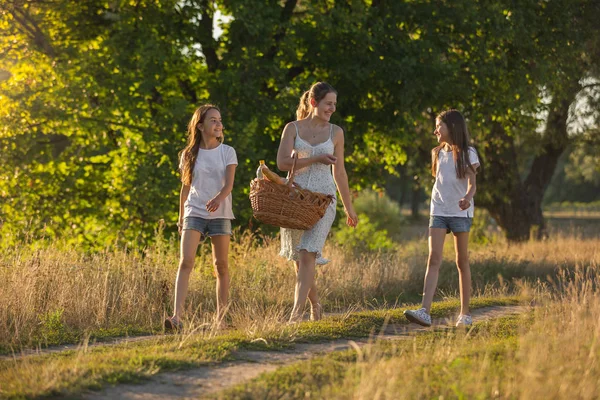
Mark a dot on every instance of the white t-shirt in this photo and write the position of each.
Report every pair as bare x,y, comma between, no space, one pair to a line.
448,189
207,181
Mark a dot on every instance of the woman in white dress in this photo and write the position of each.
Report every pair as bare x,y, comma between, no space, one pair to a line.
319,168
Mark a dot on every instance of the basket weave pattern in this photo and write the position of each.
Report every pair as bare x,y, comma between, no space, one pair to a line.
287,206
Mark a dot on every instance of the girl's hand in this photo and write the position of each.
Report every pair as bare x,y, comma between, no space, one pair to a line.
327,159
213,204
463,204
351,218
180,226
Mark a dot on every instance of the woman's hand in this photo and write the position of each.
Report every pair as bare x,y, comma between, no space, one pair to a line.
327,159
180,226
351,218
213,204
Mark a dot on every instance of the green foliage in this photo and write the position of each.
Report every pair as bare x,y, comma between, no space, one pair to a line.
380,221
53,329
382,211
577,176
574,207
94,98
365,237
482,229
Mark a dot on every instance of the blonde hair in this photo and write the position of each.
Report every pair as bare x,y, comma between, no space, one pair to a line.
318,91
190,152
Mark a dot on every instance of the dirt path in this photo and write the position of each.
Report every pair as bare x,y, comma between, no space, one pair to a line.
79,346
198,382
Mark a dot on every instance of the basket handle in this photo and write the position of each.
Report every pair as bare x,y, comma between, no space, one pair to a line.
293,172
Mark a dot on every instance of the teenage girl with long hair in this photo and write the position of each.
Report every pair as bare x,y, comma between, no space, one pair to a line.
454,166
207,168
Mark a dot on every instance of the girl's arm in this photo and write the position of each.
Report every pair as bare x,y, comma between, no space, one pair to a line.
286,146
213,204
465,202
341,177
183,195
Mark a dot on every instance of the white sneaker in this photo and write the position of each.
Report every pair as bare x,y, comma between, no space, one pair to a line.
464,320
419,316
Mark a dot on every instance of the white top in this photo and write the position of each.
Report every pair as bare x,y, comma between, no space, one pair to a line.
207,181
448,189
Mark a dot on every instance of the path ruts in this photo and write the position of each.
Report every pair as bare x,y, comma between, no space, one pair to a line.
195,383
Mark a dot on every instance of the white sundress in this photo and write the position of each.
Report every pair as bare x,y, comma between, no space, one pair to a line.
316,177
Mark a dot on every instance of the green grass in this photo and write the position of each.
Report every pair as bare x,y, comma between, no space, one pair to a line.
364,323
337,375
70,372
60,334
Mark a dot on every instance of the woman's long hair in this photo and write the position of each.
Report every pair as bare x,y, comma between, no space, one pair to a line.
318,91
461,141
188,155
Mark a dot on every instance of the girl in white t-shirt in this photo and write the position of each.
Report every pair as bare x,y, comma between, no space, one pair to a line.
454,165
207,171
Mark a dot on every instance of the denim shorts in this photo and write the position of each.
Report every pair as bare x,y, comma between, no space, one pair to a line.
208,227
451,224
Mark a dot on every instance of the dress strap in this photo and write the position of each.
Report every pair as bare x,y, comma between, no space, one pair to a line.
296,126
331,131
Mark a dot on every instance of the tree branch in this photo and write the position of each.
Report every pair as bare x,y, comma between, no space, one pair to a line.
188,90
134,127
591,85
207,41
286,15
29,24
556,140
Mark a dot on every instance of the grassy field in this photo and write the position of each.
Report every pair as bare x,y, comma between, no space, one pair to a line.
70,372
54,295
549,353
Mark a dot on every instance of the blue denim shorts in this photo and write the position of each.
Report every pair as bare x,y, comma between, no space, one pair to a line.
208,227
451,224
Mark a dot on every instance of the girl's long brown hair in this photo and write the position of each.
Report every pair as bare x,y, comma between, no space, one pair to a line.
461,141
318,91
189,154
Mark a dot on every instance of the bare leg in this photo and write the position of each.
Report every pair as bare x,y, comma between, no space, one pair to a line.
189,244
313,297
461,245
434,261
305,279
220,251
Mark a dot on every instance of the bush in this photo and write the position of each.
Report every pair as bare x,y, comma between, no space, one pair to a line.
383,212
365,237
53,329
574,207
482,230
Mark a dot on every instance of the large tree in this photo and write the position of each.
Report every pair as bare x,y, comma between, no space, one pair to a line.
92,115
552,46
95,96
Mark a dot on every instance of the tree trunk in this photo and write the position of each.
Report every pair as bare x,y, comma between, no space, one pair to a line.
516,205
415,201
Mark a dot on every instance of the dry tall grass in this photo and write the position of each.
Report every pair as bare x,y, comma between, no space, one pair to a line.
52,294
550,354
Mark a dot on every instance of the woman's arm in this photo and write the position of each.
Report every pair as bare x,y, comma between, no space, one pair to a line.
341,177
471,176
183,195
285,161
213,204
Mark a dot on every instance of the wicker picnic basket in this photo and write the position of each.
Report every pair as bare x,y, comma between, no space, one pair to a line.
287,206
